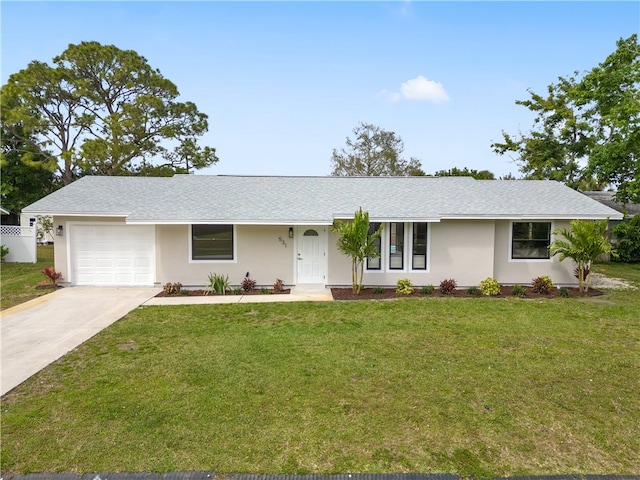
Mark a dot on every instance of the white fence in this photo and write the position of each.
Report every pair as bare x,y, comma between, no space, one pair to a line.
21,242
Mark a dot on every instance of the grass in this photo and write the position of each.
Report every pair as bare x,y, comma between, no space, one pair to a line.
478,387
20,279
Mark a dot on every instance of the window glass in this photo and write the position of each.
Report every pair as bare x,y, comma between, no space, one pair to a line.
396,245
375,263
530,240
419,245
212,242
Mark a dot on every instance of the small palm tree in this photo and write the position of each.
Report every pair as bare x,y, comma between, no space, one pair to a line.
355,242
584,242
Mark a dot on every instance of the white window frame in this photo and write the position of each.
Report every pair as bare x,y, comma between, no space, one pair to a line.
405,243
190,242
427,252
529,260
382,256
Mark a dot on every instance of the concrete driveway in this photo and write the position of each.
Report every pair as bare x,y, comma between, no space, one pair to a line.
38,332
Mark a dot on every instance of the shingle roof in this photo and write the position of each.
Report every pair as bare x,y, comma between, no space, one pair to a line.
609,199
309,200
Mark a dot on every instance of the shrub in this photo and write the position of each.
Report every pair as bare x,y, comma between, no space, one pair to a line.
564,292
519,291
428,289
219,283
4,251
248,284
278,285
490,286
627,236
172,288
51,274
265,291
404,286
378,290
473,290
542,284
448,286
237,290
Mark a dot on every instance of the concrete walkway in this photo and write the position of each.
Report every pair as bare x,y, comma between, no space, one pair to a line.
300,293
38,332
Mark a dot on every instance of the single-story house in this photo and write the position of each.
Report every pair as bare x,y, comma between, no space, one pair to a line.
150,231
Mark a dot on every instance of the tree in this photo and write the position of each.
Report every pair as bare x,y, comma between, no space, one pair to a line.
465,172
586,130
373,153
610,97
627,240
356,242
584,242
24,177
101,110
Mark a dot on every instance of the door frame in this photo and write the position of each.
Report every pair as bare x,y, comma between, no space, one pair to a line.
323,235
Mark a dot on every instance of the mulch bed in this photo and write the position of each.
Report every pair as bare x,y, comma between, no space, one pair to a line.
48,286
201,293
505,291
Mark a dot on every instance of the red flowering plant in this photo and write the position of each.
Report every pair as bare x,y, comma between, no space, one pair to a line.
52,275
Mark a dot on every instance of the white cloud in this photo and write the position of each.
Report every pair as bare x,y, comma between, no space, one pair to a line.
423,89
419,89
390,97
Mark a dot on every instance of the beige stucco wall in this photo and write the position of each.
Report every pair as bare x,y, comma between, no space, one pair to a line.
509,271
460,249
259,252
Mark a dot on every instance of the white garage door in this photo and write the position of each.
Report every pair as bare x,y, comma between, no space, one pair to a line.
112,255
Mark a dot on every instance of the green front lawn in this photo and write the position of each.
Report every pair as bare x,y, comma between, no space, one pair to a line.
20,279
482,387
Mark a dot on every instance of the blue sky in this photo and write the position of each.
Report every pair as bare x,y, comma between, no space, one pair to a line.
284,83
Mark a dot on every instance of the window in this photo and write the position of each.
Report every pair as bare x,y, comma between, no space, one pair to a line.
212,242
530,240
375,263
396,246
419,245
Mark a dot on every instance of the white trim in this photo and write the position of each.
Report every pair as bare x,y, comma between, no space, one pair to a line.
385,227
538,218
218,221
235,245
427,252
405,243
88,215
528,260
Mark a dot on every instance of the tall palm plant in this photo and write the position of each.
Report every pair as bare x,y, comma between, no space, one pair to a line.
583,243
356,242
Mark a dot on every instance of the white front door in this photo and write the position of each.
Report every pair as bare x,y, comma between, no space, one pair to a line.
311,254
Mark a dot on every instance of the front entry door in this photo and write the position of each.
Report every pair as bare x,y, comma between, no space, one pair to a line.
311,254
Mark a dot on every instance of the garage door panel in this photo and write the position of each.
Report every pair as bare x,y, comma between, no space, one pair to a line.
112,255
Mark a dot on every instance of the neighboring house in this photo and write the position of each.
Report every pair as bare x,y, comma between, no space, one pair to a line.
609,199
146,231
